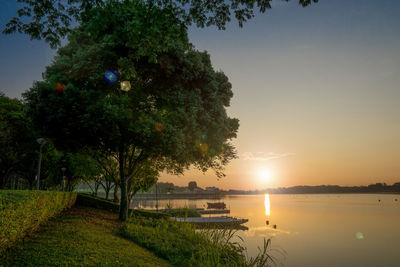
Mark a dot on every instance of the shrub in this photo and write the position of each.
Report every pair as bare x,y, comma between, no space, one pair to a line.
181,245
23,211
183,212
88,200
148,214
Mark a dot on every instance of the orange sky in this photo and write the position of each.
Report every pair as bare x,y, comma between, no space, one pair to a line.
317,94
316,91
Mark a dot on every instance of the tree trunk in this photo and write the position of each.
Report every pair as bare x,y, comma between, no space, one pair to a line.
116,199
107,191
96,188
123,207
5,178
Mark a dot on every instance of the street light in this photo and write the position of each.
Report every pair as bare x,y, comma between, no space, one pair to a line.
63,169
156,196
41,142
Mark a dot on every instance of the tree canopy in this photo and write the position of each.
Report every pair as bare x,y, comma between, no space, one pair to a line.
175,112
53,20
17,138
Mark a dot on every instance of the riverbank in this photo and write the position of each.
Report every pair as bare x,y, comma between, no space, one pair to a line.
81,236
90,234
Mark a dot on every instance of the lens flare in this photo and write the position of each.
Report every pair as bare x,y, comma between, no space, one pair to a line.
59,87
126,86
110,76
359,235
159,127
203,148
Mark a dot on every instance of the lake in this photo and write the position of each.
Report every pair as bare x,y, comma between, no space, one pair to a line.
315,230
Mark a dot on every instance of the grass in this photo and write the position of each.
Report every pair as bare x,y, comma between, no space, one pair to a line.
88,200
182,245
21,212
82,236
183,212
91,235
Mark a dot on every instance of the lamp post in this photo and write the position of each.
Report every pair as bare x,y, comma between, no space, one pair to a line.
156,196
41,142
63,169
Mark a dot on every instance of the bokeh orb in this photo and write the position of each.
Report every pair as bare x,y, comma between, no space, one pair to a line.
213,152
203,148
159,127
59,87
111,76
126,86
359,235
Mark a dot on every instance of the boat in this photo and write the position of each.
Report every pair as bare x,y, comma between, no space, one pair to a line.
217,205
214,211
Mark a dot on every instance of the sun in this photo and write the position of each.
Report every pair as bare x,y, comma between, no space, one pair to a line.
264,176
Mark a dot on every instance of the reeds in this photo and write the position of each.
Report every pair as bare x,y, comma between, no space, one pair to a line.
182,245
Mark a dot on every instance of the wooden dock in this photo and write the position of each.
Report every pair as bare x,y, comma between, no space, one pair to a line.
203,211
220,220
200,210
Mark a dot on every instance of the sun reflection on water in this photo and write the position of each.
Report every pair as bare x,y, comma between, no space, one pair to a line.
267,205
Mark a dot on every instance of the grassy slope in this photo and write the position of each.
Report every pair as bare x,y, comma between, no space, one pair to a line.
81,237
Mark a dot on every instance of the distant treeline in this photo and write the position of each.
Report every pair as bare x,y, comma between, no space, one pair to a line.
169,190
326,189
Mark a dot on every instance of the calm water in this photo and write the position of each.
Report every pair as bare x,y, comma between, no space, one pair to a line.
317,230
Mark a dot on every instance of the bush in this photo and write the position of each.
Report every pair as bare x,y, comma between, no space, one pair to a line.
183,212
23,211
148,214
181,245
88,200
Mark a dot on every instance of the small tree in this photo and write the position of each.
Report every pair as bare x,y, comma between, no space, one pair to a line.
192,185
81,167
108,165
144,178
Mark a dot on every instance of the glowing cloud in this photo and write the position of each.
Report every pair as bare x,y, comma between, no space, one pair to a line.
263,156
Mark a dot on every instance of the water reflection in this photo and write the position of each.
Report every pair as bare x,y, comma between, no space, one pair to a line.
267,205
362,230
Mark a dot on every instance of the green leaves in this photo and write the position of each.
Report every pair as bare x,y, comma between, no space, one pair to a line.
23,211
17,138
176,96
52,20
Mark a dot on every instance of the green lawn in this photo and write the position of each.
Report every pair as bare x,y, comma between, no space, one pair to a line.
79,237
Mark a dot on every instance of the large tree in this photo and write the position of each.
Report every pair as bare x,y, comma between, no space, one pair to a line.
174,113
17,139
52,20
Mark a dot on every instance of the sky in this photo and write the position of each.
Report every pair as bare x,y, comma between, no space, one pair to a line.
316,91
